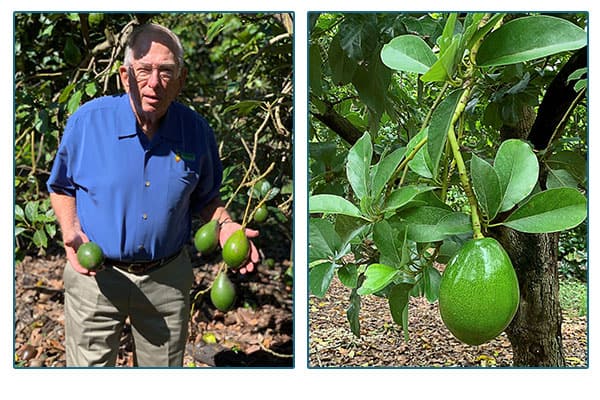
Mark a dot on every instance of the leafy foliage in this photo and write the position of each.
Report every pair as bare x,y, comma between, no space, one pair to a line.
240,79
429,171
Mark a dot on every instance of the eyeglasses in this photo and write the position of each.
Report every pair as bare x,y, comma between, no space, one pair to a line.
166,73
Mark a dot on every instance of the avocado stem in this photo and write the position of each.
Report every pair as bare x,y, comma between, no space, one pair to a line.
464,180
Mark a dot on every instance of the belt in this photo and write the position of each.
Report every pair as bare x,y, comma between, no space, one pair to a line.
141,267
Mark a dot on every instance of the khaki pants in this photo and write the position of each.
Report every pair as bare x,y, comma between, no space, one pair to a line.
158,306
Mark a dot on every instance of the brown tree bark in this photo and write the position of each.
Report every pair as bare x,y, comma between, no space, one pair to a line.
535,332
340,125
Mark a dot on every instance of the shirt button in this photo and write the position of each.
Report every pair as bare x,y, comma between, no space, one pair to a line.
147,184
144,216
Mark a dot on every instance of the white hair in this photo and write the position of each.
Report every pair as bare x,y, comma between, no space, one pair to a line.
176,47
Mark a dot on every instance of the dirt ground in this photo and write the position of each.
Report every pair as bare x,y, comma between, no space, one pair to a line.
256,332
332,344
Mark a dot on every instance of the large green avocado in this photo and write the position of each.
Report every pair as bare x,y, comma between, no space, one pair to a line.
236,249
90,256
479,292
206,238
222,292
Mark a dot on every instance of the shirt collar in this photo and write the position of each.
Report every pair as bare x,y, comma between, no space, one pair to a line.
126,123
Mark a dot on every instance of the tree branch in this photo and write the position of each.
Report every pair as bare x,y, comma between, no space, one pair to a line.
557,102
340,125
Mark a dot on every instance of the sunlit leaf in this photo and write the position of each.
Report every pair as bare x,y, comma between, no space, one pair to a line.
408,53
528,38
358,165
552,210
517,168
332,204
377,277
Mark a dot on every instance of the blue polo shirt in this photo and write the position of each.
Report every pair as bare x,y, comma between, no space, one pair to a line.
135,197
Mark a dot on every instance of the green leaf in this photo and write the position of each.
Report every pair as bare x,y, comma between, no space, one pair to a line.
314,72
384,170
577,74
441,121
348,275
64,95
40,239
421,163
408,53
431,224
481,32
569,161
528,38
431,281
517,168
91,89
455,223
31,210
349,228
444,67
358,165
19,213
486,186
217,27
377,277
50,230
445,40
342,66
323,240
552,210
320,277
403,196
358,33
391,243
560,178
244,107
74,101
398,301
471,23
72,53
371,83
580,85
332,204
352,313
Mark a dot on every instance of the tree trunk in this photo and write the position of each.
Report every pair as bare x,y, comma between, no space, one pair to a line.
535,332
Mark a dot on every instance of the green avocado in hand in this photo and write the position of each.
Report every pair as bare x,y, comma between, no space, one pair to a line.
206,238
90,256
236,249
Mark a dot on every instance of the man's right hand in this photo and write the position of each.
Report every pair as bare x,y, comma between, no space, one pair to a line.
72,243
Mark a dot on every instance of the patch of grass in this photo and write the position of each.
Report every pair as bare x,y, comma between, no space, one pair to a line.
573,297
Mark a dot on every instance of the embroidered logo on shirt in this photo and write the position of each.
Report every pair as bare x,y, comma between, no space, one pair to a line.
186,156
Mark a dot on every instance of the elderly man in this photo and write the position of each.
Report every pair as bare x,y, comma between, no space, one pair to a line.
129,173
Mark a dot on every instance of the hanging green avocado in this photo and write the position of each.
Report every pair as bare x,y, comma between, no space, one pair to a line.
479,292
206,238
222,292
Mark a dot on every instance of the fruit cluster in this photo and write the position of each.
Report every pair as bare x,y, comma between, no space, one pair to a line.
235,252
